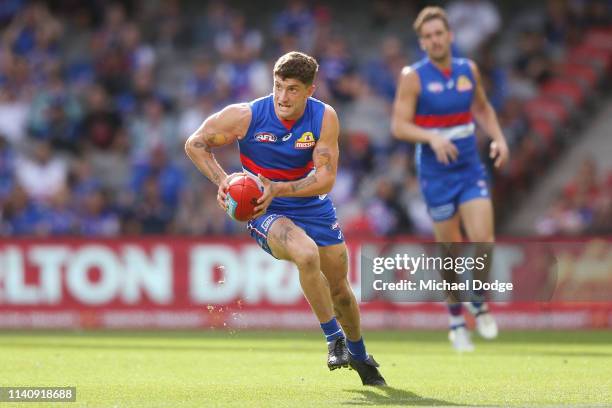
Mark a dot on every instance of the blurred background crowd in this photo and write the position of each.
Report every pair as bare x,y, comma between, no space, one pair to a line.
98,97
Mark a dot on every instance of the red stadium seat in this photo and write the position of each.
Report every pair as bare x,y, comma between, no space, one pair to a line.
583,73
568,91
599,38
598,58
544,128
547,108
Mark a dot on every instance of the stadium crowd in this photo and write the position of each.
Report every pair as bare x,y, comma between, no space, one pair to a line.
583,205
97,99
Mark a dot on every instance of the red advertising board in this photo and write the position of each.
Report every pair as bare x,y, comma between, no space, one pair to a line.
221,283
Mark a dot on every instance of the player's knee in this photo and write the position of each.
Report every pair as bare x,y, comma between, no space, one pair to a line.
306,257
341,293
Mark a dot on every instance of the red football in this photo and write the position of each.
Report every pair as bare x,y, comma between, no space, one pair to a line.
241,199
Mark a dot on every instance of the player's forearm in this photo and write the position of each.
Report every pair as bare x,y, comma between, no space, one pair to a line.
409,132
313,185
201,155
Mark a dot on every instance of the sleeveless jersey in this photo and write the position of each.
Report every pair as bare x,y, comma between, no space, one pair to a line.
443,107
282,154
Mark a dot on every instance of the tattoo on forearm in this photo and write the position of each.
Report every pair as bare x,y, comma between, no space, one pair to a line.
213,172
302,184
209,166
200,145
323,158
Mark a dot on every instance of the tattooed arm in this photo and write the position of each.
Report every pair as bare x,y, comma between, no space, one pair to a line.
325,158
220,129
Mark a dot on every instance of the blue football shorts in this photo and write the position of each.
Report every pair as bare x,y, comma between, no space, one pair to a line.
324,230
444,193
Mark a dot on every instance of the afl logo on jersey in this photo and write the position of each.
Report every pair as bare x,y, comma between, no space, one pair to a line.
435,87
265,137
464,84
306,141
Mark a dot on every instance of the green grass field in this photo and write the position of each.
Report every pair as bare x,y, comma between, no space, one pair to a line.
287,369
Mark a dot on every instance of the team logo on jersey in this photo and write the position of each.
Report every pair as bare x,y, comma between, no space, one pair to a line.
306,141
265,137
464,84
435,87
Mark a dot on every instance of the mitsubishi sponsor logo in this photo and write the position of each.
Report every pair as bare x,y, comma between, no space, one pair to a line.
306,141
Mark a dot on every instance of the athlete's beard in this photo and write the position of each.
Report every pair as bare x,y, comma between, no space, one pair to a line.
442,60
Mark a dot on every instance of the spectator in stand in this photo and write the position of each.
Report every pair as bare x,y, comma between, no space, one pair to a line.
111,62
82,178
336,69
201,82
153,129
43,173
533,61
383,71
60,214
20,216
7,165
13,116
101,123
150,209
54,115
367,113
237,42
297,21
473,23
97,217
159,167
139,56
215,19
581,207
415,207
384,211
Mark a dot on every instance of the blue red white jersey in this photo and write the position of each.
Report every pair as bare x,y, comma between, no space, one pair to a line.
279,153
443,107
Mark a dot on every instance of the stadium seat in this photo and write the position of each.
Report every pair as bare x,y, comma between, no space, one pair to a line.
600,38
547,108
584,74
569,92
596,57
543,128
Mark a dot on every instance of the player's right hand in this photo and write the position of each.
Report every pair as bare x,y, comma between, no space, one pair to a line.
445,150
222,191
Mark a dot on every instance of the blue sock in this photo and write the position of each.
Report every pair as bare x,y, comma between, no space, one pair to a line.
455,309
456,315
332,330
357,349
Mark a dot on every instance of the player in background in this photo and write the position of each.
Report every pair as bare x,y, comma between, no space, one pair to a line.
290,141
437,101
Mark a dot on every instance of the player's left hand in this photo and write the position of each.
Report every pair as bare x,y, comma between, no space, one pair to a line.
269,192
499,153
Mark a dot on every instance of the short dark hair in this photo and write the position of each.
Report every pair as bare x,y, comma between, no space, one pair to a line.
297,65
428,14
